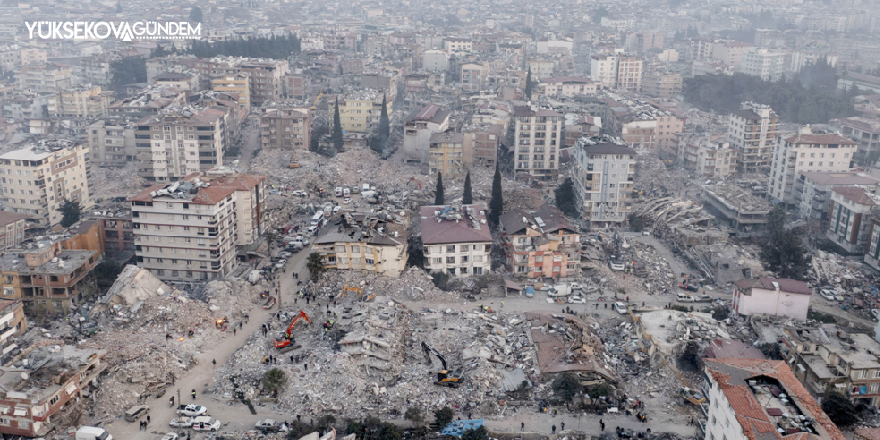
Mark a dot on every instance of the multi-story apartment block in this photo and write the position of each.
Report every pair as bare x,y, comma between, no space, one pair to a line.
541,244
813,191
653,130
603,70
14,323
116,223
359,112
190,230
294,86
849,223
12,227
483,141
708,158
376,242
285,128
752,130
44,78
473,77
337,40
603,180
746,403
183,81
456,239
629,73
111,142
566,87
765,63
779,297
81,102
639,42
458,44
806,151
174,145
38,179
237,84
96,69
418,128
447,155
866,132
872,257
14,56
731,52
541,68
537,139
662,85
265,75
435,60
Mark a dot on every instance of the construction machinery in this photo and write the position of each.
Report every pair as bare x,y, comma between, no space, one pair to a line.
286,339
293,162
352,289
444,377
315,104
693,397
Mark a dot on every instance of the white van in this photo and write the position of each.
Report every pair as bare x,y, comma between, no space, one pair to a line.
92,433
316,219
346,192
338,191
365,188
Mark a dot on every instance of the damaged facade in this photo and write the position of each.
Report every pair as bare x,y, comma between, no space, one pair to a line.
376,242
541,244
456,239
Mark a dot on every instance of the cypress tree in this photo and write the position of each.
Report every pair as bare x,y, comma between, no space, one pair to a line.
529,84
337,129
438,196
496,203
468,197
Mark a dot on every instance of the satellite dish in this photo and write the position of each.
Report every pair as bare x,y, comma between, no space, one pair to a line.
25,376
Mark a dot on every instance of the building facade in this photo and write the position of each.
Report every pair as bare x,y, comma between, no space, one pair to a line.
765,63
285,128
779,297
629,73
541,244
238,84
418,128
866,132
81,102
813,192
603,180
174,145
850,213
111,142
806,151
708,159
447,154
752,130
456,239
537,139
12,227
376,242
603,70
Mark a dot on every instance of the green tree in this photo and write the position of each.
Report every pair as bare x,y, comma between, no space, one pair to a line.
567,386
476,434
128,70
529,84
636,223
443,416
783,252
467,197
336,134
496,203
315,264
315,137
415,415
438,193
840,410
771,350
565,198
107,271
274,380
195,14
71,211
381,144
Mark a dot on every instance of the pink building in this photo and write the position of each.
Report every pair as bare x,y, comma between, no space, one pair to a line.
780,297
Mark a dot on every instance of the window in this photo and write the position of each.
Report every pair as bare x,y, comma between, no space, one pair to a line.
437,260
355,249
450,260
464,259
369,261
463,248
8,291
450,248
478,271
478,258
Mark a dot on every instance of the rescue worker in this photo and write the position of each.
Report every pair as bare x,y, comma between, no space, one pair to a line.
193,392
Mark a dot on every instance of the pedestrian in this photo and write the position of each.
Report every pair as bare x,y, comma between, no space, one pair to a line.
522,426
291,359
140,426
562,426
148,420
233,330
194,393
502,304
294,300
606,305
306,365
470,416
214,362
601,427
297,418
553,428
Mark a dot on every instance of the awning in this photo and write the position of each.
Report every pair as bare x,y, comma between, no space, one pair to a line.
510,284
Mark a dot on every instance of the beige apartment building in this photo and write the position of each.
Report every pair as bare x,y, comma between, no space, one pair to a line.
285,128
81,102
238,84
174,145
111,142
752,130
456,239
265,75
193,229
629,73
44,78
447,154
37,179
537,137
708,158
375,242
359,112
662,85
807,151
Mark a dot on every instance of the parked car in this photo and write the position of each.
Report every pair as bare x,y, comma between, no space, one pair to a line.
576,286
170,436
266,425
136,412
280,263
192,410
875,313
336,209
681,297
205,423
828,294
576,300
839,297
285,254
346,200
181,422
620,308
703,299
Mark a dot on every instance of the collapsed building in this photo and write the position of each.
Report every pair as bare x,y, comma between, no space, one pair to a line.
744,214
376,242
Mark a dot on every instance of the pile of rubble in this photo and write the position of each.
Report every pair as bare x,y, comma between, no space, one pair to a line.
655,180
414,284
115,182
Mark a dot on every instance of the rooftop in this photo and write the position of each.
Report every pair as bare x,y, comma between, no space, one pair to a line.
38,379
784,284
823,139
375,228
547,219
454,224
201,188
839,178
858,195
38,151
7,217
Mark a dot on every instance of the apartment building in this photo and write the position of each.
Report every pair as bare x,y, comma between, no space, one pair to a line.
240,85
639,42
39,178
447,154
44,78
662,85
708,158
191,229
96,69
849,222
730,53
265,75
541,243
183,81
14,324
14,56
111,142
772,296
766,63
483,141
756,399
435,60
657,129
458,44
456,239
603,181
541,68
629,73
418,128
285,128
752,130
537,138
813,191
603,70
12,227
566,87
175,144
52,376
81,102
866,132
806,151
50,287
872,257
376,242
360,111
473,77
294,86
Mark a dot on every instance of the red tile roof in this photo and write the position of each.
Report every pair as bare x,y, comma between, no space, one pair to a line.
819,139
219,188
856,195
451,231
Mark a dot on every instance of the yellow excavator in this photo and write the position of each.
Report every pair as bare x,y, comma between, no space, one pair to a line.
444,377
353,289
293,162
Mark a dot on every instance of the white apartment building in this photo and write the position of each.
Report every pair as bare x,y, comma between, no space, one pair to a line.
111,142
603,70
418,128
435,60
81,102
537,136
44,78
39,178
456,239
174,145
192,229
766,63
752,130
806,151
629,73
603,181
567,87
